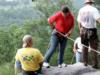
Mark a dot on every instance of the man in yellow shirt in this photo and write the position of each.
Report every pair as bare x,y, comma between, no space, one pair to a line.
28,59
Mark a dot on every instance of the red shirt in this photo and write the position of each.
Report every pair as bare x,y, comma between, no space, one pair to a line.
63,23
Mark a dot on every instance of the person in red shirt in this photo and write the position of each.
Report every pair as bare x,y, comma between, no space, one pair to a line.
62,22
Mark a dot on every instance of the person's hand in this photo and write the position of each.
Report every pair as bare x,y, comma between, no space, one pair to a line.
52,27
74,50
67,35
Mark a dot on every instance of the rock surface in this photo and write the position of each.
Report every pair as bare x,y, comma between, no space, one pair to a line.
75,69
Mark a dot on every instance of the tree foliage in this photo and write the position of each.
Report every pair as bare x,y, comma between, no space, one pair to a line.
11,36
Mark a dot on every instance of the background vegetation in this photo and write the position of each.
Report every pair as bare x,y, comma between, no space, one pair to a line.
11,36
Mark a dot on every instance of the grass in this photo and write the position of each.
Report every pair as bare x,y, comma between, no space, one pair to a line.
7,69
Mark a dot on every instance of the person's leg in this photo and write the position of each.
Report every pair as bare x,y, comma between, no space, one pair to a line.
85,56
53,45
85,41
78,56
94,45
81,57
62,46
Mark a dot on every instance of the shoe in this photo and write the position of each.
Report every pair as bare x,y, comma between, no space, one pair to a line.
85,64
46,65
95,66
62,65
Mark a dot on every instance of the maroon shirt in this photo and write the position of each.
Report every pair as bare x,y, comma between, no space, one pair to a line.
63,24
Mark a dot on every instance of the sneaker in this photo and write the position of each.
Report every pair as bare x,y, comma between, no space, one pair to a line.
62,65
46,65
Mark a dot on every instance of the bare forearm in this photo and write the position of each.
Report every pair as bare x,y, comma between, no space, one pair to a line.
79,26
98,20
70,32
52,26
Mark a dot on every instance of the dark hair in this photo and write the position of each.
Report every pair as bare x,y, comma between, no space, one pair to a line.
89,3
64,9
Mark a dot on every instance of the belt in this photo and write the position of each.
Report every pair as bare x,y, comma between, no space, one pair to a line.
89,28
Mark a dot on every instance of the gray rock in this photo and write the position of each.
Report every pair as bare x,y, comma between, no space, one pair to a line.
75,69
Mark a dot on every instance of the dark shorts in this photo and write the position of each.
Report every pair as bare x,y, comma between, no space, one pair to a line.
29,73
89,36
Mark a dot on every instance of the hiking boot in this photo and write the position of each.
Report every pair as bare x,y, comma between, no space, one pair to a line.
46,65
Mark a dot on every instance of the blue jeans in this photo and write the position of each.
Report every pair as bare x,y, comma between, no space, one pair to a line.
18,65
78,57
54,42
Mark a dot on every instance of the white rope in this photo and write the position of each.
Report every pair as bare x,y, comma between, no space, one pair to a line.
82,44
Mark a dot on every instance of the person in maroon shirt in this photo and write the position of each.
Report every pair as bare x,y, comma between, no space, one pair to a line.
62,22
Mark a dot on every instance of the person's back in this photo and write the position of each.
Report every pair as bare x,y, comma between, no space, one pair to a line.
29,58
88,17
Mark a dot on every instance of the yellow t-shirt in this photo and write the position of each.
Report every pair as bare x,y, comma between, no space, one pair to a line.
30,58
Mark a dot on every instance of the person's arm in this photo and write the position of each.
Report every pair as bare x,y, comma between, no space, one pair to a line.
18,67
69,33
79,20
52,25
79,26
40,61
96,15
98,20
71,30
75,47
52,20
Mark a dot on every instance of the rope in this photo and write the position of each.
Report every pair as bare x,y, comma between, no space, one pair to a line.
98,52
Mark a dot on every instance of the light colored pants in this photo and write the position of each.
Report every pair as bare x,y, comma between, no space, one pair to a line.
78,56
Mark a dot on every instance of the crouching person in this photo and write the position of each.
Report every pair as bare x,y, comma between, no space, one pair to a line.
28,60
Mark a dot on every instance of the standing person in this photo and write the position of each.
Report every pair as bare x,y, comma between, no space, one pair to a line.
63,22
77,49
28,59
87,18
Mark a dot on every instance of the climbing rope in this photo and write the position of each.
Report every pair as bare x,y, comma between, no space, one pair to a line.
98,52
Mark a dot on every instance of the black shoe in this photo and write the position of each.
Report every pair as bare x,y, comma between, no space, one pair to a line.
85,64
95,66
